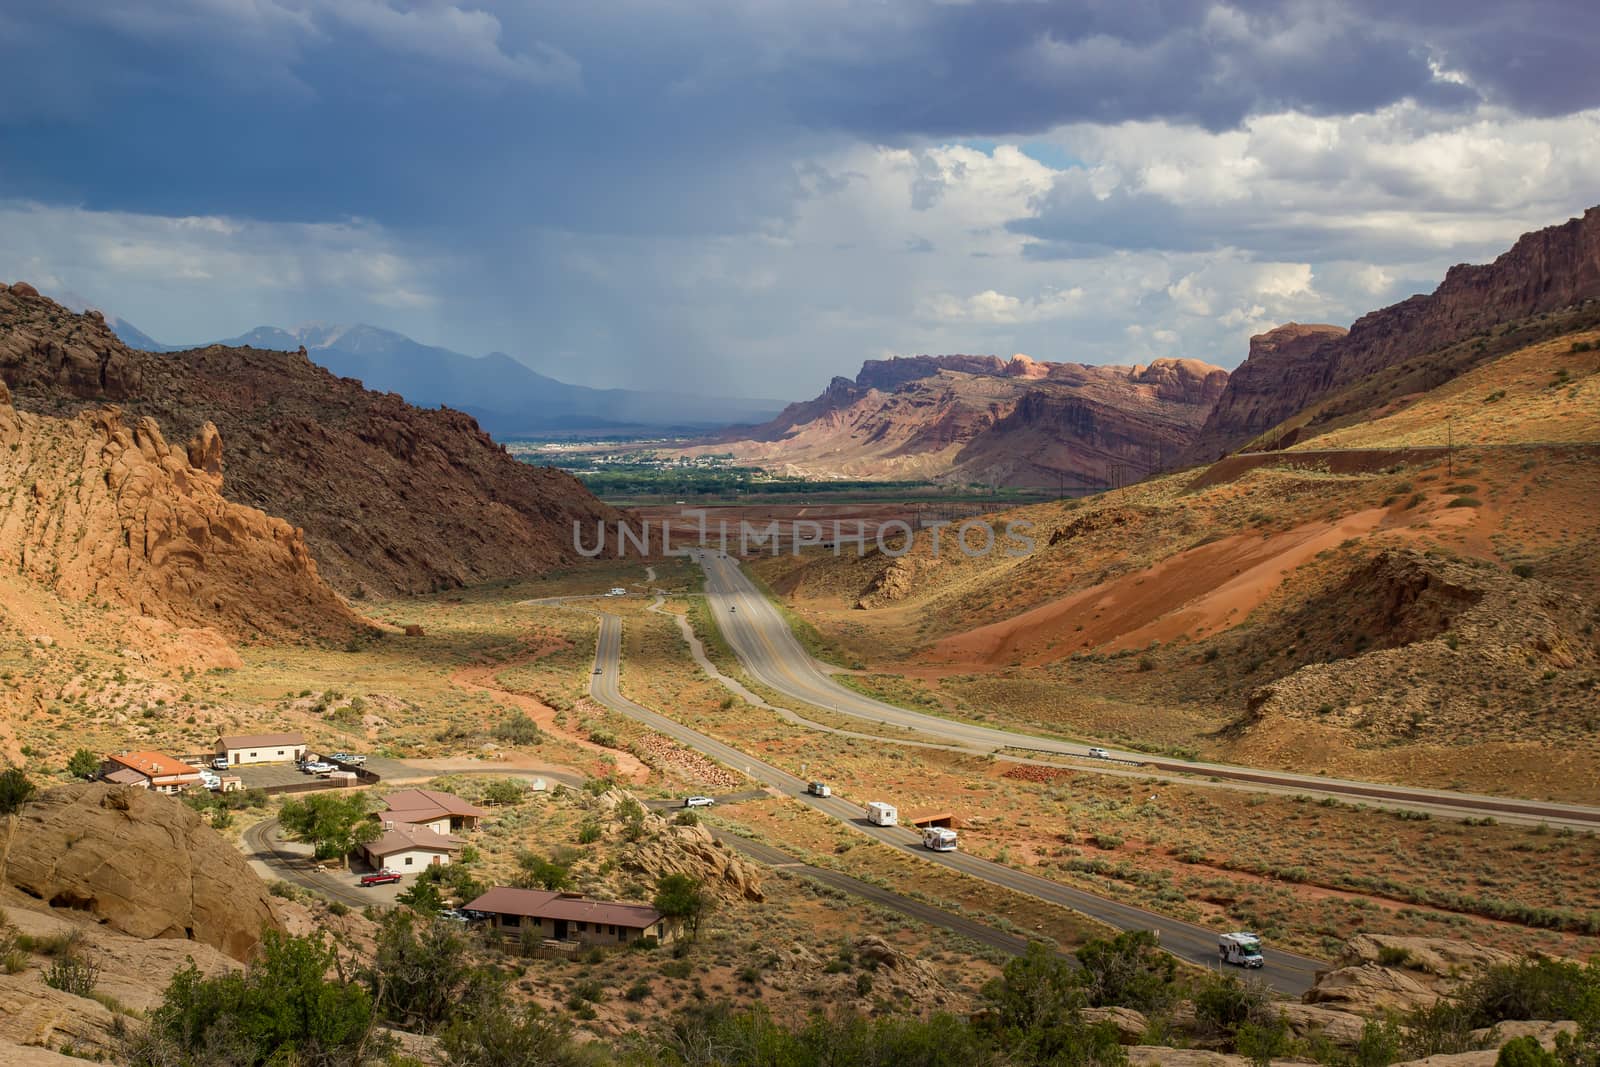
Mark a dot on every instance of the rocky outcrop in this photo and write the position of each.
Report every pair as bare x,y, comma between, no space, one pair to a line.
142,863
1544,271
1386,647
1131,1025
391,498
691,850
1016,422
688,850
105,510
1271,384
33,1014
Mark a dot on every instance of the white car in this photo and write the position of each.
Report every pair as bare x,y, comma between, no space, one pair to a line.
1099,753
210,781
698,802
319,767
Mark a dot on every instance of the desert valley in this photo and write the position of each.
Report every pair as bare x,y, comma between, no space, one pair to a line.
1177,645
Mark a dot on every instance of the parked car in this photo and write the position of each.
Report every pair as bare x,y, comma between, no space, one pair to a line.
220,763
455,915
318,767
210,780
383,877
698,802
345,757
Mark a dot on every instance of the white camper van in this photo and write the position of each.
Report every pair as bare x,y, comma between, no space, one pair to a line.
881,814
939,839
1241,948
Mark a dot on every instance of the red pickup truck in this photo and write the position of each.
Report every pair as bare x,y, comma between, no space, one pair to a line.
383,877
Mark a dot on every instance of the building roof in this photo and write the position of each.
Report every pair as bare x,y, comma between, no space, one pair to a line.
405,838
425,805
545,904
155,765
126,776
260,740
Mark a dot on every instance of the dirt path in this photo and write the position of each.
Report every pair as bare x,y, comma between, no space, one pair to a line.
483,679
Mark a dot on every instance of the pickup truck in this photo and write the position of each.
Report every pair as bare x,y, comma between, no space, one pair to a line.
319,767
383,877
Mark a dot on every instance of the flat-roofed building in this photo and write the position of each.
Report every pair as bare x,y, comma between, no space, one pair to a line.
242,749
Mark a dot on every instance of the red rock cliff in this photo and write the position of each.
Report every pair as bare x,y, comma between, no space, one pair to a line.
1285,373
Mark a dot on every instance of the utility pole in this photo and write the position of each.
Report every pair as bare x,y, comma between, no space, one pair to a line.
1449,448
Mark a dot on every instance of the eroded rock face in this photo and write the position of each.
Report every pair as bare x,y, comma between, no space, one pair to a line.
391,498
142,863
115,514
1544,271
1282,365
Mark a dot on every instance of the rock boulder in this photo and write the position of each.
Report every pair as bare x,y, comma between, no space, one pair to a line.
140,862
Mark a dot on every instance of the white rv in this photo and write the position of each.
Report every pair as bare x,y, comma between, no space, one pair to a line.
939,839
881,814
1242,949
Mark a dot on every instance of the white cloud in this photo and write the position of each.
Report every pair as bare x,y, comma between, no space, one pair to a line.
203,277
996,307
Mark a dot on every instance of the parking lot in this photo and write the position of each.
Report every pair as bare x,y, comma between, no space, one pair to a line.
394,772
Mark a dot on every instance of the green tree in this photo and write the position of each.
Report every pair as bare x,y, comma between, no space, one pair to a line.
537,870
283,1008
83,764
1261,1043
505,791
1034,989
1380,1044
1525,1051
419,971
496,1034
1130,971
15,789
423,897
679,896
334,824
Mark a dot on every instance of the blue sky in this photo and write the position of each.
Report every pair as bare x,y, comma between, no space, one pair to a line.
753,196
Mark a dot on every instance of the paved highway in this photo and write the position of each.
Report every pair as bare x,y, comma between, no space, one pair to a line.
1287,972
769,652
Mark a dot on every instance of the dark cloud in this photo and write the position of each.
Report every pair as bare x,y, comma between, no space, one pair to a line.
675,118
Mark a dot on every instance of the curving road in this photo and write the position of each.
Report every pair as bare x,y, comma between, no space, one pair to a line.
1287,972
769,652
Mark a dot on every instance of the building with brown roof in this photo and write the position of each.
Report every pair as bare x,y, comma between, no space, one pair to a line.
150,770
409,848
440,812
570,917
241,749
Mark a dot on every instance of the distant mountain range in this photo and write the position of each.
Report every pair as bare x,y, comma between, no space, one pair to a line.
507,397
981,419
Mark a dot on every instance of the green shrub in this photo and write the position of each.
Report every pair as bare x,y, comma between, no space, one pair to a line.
73,974
1525,1051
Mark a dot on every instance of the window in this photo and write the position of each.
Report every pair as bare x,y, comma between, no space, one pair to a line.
511,920
613,929
410,860
253,755
583,928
